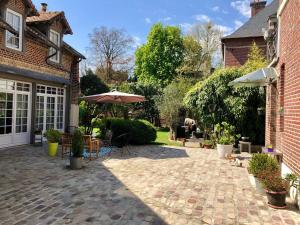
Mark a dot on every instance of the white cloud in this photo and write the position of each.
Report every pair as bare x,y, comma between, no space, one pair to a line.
167,19
226,30
238,24
202,17
242,6
148,20
216,9
186,27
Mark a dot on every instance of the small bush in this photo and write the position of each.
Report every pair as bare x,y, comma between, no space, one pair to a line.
140,131
53,136
262,162
77,144
272,181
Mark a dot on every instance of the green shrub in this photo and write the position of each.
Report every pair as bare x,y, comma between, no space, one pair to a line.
77,144
53,136
224,134
140,131
262,162
273,181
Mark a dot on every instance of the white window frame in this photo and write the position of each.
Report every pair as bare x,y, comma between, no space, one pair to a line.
58,45
20,31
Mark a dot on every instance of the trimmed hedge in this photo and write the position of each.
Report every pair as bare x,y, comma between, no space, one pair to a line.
140,131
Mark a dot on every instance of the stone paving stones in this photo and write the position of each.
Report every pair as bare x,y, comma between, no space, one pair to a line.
154,185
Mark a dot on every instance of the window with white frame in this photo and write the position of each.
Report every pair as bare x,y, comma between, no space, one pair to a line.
55,38
15,20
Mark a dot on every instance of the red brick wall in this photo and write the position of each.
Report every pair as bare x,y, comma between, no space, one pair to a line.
236,50
287,136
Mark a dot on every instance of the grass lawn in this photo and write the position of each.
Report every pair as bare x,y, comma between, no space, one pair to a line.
163,139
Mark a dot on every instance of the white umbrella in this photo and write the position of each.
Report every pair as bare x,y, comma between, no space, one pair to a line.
114,97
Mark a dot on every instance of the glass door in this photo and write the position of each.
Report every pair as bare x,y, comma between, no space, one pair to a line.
50,113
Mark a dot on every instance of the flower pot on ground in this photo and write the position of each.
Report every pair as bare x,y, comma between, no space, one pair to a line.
77,150
275,187
53,138
224,137
294,188
255,182
208,144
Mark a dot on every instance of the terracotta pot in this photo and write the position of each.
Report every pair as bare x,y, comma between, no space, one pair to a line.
207,146
276,199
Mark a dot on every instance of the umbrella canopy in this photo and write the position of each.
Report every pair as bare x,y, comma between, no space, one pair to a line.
257,78
114,97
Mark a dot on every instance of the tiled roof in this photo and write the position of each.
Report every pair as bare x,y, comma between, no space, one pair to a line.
73,51
50,16
254,26
31,5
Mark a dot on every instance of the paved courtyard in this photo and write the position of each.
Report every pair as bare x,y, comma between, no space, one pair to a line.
154,185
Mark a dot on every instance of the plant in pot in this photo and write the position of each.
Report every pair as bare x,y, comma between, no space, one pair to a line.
294,191
224,137
275,188
53,138
77,150
208,144
258,163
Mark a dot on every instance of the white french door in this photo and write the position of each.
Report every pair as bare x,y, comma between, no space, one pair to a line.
15,113
50,108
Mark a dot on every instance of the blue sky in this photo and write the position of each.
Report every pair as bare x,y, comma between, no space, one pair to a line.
137,16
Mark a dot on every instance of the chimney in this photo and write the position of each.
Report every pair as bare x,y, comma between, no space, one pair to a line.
257,6
44,7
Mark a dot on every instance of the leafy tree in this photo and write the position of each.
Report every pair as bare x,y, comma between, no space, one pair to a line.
237,106
90,84
194,59
158,59
208,36
170,104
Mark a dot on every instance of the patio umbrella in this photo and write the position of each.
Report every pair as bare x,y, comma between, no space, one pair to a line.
257,78
114,97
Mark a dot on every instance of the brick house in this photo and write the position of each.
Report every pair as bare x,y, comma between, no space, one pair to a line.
236,46
39,72
283,87
283,96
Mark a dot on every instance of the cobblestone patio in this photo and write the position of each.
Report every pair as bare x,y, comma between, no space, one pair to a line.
154,185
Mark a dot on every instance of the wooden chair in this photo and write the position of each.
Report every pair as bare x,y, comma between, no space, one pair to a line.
92,145
66,144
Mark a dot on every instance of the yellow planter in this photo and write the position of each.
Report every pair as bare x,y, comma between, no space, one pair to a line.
52,149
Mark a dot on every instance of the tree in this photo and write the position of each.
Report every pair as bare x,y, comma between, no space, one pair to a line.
158,59
170,104
90,84
209,37
110,50
193,60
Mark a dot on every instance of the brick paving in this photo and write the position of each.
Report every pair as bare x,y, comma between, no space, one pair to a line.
154,185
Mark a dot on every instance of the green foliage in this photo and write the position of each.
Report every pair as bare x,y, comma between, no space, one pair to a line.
224,134
91,84
262,162
88,112
273,181
192,65
170,104
53,136
140,131
159,58
77,143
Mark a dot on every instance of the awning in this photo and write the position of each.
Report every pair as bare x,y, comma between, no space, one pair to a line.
257,78
33,74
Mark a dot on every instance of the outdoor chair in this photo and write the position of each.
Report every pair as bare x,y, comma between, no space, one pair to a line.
106,144
91,145
122,142
66,144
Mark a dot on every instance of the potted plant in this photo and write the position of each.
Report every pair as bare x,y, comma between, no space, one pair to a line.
208,144
53,138
258,163
77,150
275,188
224,137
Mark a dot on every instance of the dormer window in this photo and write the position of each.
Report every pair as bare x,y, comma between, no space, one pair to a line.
15,20
54,38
